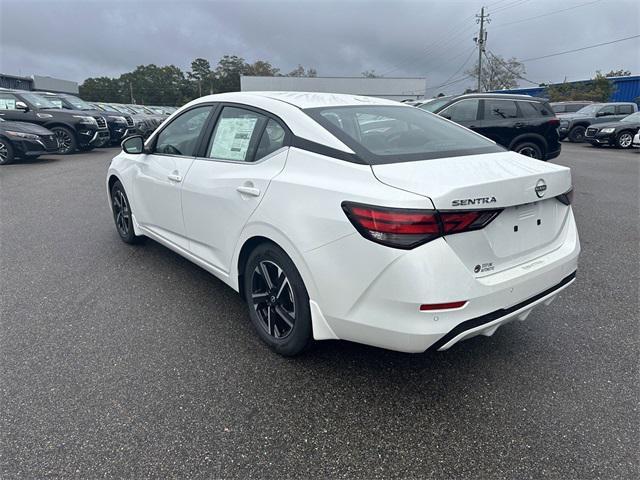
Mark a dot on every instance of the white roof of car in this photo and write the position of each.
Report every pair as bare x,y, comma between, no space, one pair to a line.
303,99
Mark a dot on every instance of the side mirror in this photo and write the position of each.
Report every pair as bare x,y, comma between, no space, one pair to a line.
133,144
22,106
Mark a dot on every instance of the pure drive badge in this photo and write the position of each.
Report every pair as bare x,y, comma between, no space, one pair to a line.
473,201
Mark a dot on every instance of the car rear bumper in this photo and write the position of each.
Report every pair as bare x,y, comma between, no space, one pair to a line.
384,310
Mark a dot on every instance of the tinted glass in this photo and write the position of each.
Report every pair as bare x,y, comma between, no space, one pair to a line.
389,134
37,101
499,109
573,107
180,137
463,111
237,134
7,101
433,105
528,109
625,109
607,110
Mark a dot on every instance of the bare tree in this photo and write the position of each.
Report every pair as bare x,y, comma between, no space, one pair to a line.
498,73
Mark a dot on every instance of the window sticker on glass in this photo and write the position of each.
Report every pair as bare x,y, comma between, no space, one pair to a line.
232,137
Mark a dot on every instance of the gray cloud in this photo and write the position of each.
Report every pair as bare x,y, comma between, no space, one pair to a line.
75,39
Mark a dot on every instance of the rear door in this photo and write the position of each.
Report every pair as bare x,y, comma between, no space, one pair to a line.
500,120
241,154
159,175
464,112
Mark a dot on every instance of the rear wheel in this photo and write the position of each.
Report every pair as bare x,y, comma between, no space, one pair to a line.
624,140
576,134
122,214
529,149
278,300
6,152
66,140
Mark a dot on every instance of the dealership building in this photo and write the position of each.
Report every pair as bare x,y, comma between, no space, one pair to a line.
392,88
38,83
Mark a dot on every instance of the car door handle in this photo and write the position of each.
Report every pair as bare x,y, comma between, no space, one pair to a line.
254,192
174,177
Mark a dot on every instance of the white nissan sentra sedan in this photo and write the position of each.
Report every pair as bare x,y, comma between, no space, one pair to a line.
347,217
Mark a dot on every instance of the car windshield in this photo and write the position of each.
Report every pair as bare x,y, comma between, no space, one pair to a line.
390,134
136,108
56,101
589,109
78,103
108,108
38,101
433,105
634,117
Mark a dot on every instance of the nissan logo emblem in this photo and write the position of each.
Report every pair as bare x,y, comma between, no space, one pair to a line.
541,187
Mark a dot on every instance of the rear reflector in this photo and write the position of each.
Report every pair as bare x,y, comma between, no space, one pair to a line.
408,228
441,306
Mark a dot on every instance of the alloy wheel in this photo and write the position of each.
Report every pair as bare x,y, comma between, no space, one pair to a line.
4,152
529,152
121,212
625,140
65,141
273,299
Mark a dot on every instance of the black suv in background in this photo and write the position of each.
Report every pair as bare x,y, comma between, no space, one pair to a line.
574,125
75,129
120,125
521,123
24,140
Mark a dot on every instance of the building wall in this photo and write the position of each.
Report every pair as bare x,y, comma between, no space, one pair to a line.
14,82
50,84
391,88
626,89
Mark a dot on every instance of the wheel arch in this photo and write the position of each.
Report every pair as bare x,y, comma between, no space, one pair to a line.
530,137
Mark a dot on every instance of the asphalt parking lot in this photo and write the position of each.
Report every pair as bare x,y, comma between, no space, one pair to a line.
131,362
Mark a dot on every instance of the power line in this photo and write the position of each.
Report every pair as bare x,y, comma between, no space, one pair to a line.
510,5
506,67
458,70
547,14
580,49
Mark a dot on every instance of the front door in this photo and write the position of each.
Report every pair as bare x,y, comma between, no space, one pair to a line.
159,175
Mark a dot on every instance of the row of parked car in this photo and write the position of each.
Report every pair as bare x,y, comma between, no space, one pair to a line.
35,123
533,127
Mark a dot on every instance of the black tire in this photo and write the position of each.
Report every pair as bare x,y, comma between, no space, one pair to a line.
529,149
66,139
576,135
624,140
279,306
6,152
122,214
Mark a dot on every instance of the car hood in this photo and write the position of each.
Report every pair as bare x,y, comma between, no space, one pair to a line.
25,127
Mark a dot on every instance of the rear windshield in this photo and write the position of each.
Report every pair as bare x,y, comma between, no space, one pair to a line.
389,134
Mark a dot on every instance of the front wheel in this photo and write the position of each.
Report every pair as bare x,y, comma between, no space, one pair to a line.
278,300
576,135
66,140
122,214
6,152
624,140
529,149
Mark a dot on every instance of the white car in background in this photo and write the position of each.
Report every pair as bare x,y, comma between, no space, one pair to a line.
346,217
636,139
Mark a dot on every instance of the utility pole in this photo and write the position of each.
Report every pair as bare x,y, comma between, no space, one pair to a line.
481,40
131,93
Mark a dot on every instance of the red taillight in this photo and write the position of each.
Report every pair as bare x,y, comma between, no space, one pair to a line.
441,306
408,228
554,122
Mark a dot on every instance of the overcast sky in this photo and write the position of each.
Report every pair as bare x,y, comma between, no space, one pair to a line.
74,39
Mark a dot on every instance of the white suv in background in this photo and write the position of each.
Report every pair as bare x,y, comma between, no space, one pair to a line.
346,217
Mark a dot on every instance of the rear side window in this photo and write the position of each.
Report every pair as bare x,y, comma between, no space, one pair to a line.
499,109
389,134
181,136
244,136
462,111
624,109
529,109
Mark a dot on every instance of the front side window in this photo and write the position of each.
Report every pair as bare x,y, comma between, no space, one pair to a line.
244,136
388,134
499,109
607,110
181,136
7,101
463,111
